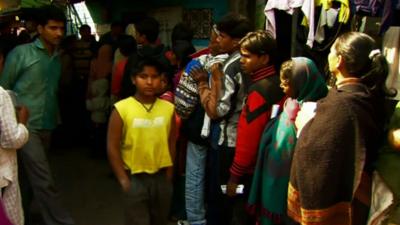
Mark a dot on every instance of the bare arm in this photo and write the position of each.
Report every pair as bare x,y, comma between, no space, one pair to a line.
113,148
209,95
22,114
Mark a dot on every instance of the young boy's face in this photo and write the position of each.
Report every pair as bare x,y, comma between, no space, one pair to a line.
148,81
252,62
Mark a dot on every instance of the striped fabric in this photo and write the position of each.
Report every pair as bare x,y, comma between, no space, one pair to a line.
231,102
12,136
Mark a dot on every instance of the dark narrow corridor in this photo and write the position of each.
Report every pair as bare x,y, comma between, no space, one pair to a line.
89,191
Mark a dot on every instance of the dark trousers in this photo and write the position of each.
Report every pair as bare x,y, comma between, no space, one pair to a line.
149,199
222,209
36,178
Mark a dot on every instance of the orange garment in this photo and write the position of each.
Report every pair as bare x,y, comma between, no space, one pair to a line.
101,66
117,75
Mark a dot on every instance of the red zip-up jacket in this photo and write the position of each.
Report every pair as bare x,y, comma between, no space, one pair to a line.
263,93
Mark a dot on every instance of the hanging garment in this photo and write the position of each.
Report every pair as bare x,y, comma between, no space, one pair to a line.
284,5
308,9
344,12
370,7
390,15
390,49
327,18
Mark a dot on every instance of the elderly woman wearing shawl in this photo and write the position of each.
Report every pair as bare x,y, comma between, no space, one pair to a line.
302,82
334,156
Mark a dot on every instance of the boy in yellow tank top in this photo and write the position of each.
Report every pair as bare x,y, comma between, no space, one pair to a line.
141,144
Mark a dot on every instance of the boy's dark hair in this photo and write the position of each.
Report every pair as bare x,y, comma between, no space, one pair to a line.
181,31
127,45
182,50
148,27
117,24
146,62
235,25
50,12
260,43
84,26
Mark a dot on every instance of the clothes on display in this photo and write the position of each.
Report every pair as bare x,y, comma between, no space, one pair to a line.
390,48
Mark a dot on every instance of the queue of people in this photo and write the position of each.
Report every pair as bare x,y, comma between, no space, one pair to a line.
257,139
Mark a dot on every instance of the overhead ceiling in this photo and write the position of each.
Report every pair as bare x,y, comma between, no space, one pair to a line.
7,6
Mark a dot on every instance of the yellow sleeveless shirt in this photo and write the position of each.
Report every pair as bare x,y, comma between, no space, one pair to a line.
144,145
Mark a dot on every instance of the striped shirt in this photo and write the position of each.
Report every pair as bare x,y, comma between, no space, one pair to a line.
231,101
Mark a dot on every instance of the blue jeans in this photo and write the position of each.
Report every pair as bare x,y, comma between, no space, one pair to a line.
194,185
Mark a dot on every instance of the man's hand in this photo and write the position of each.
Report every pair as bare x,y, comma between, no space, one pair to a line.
231,189
394,139
22,114
199,74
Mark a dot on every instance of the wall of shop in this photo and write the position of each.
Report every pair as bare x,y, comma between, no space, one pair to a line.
105,12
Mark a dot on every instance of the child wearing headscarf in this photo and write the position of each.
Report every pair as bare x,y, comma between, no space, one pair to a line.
301,82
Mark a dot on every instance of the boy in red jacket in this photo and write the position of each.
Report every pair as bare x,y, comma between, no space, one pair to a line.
258,61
